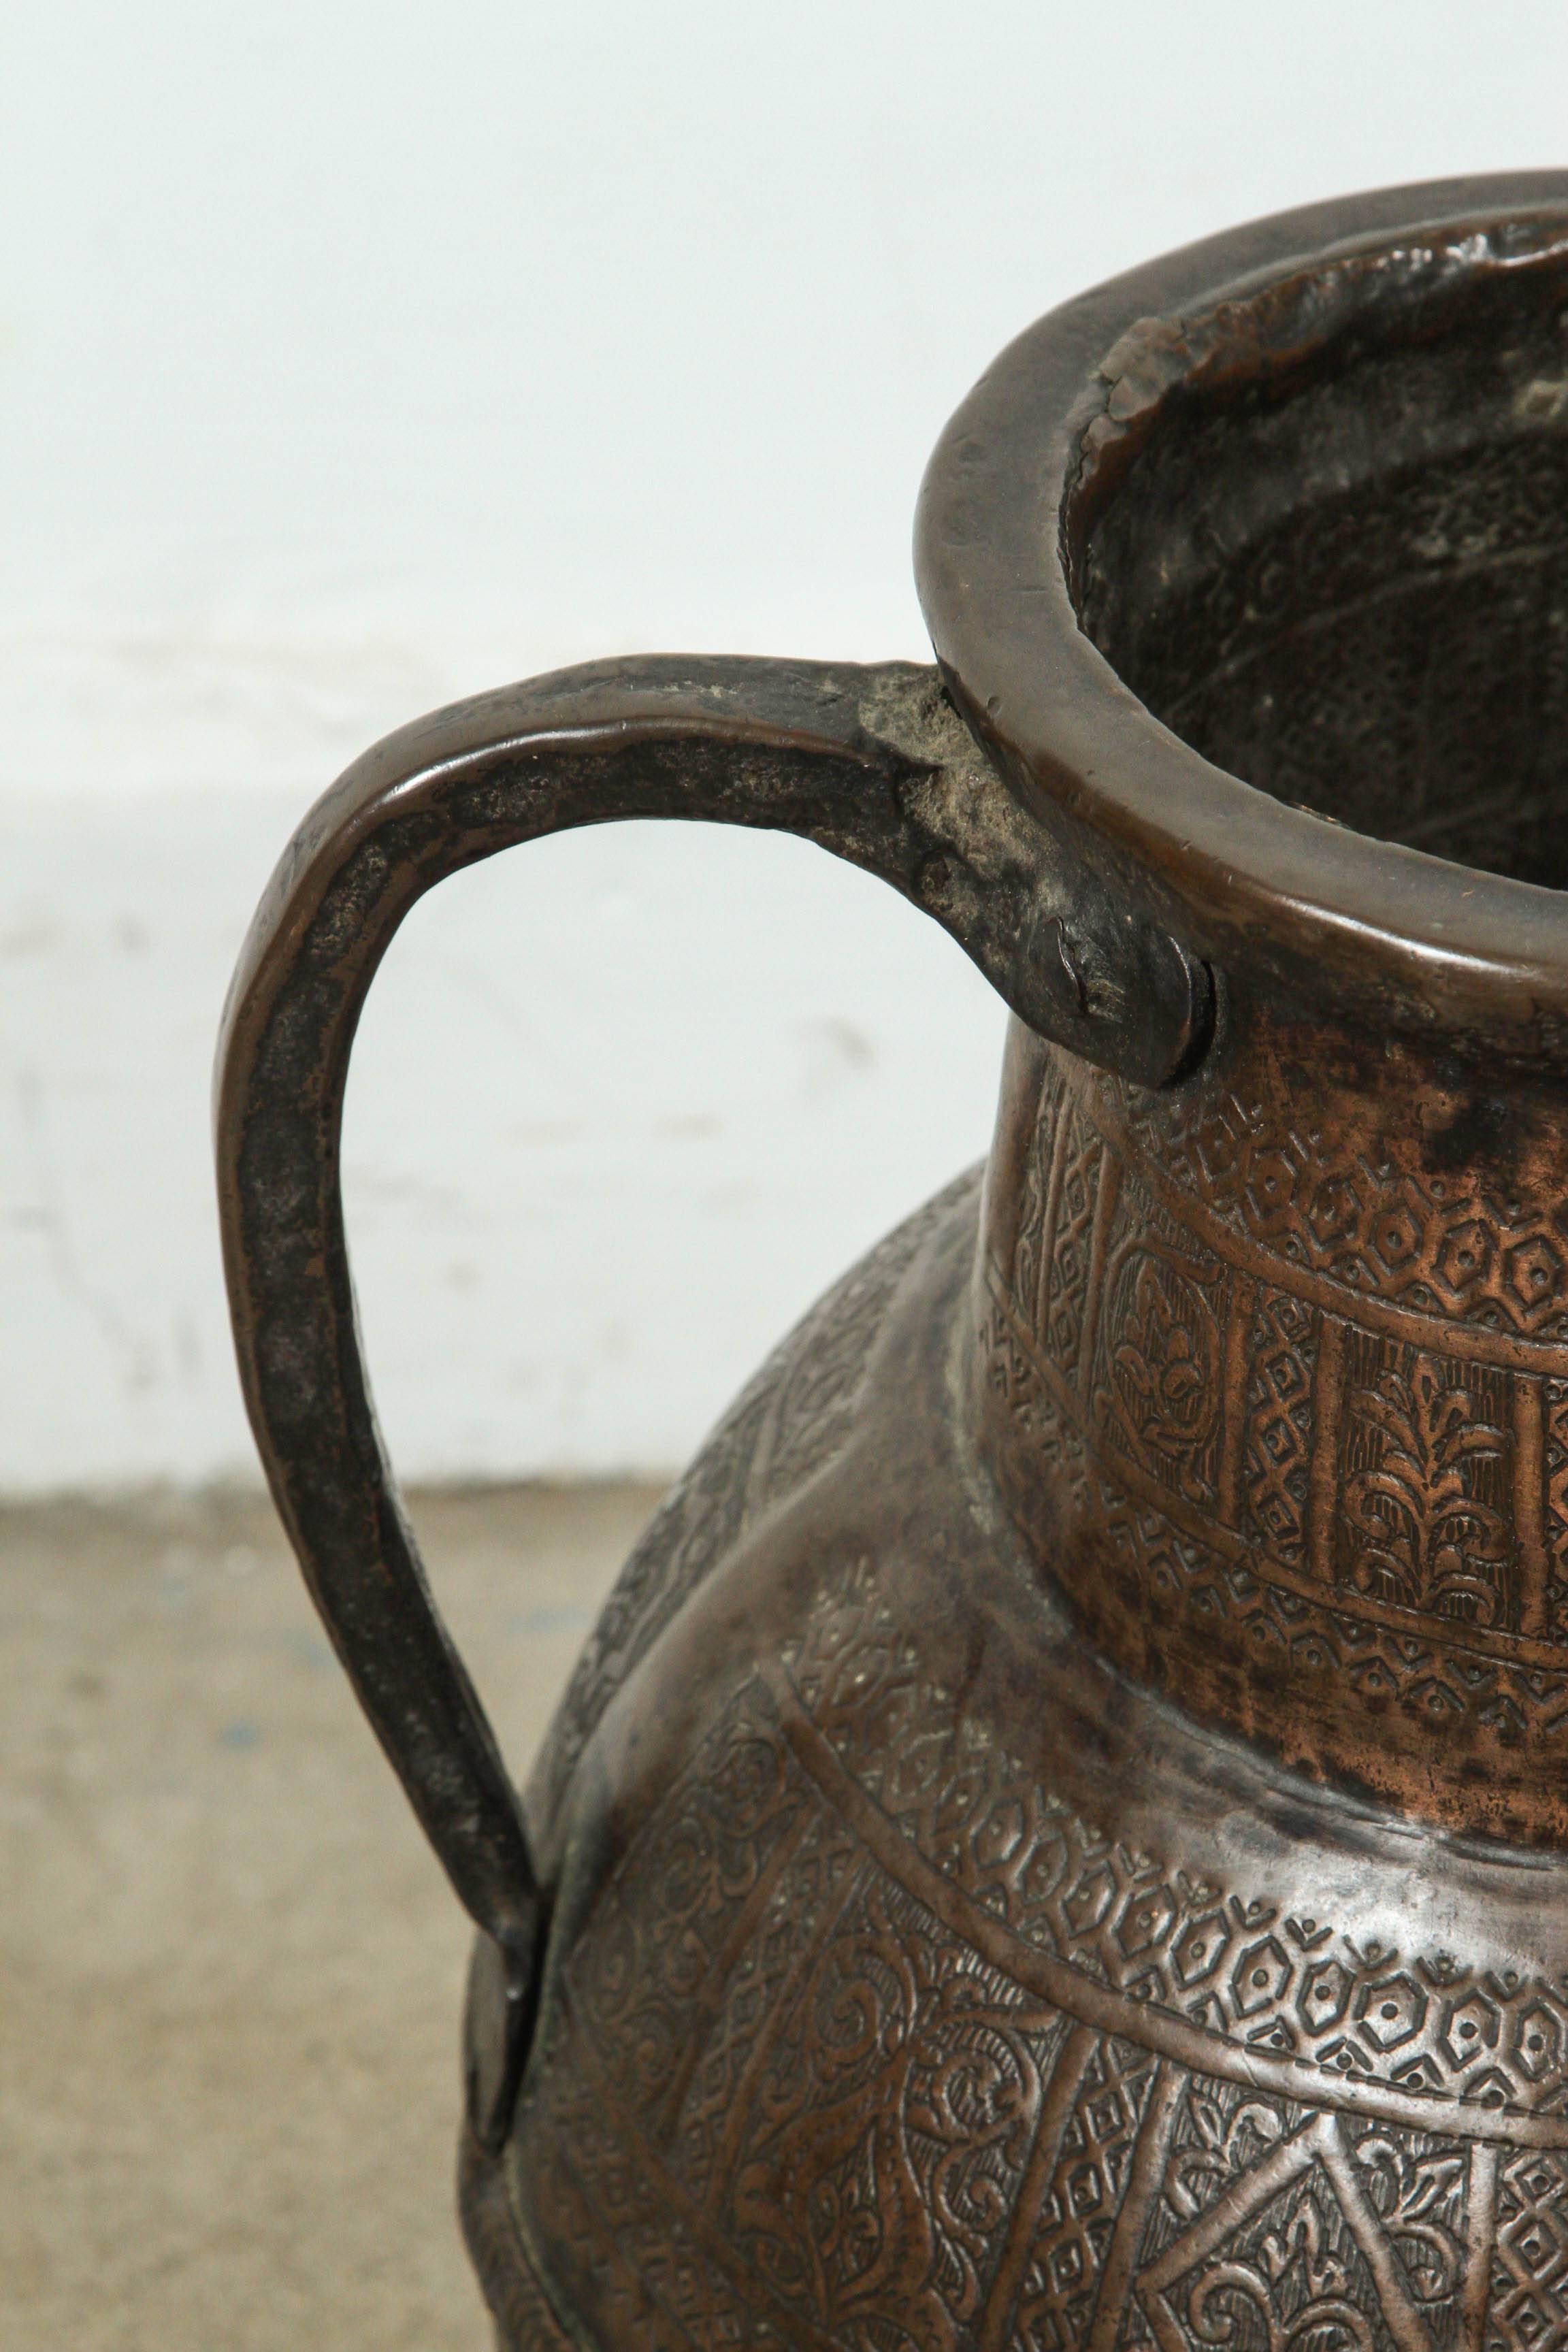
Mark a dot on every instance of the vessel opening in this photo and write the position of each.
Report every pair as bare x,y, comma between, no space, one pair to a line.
1321,531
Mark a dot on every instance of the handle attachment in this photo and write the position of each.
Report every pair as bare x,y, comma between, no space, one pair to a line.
874,764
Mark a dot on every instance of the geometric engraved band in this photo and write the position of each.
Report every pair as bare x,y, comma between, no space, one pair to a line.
1264,1411
1108,2011
1474,1341
830,2068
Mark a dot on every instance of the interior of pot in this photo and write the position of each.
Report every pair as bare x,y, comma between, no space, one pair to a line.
1323,533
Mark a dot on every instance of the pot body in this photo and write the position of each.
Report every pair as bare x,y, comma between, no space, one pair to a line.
920,1977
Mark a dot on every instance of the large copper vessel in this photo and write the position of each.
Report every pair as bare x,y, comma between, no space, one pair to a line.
1060,1837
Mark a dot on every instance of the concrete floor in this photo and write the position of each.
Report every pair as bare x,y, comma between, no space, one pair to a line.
230,1974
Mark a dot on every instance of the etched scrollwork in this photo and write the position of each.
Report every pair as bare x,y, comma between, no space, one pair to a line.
892,2131
1221,2147
1419,2198
869,2132
1296,2257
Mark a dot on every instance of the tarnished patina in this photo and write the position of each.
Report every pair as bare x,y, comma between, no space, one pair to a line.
1060,1835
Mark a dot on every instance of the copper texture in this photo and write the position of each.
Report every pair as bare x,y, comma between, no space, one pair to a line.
1060,1835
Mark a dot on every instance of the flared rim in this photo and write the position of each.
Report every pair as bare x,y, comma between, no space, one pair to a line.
1284,901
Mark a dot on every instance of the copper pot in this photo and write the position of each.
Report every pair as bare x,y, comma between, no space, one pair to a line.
1058,1837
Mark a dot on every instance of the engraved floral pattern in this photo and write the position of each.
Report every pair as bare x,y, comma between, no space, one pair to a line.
1321,1471
904,2148
1422,1537
1164,1390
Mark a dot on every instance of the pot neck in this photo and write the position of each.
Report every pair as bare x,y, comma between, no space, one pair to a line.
1272,1369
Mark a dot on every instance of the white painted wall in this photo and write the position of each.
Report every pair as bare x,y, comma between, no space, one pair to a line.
354,356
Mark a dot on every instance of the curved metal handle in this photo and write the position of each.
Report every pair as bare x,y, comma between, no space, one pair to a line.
871,763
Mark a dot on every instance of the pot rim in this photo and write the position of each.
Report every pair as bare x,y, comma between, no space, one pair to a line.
1306,912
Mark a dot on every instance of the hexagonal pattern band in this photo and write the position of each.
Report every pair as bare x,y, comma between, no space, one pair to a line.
869,2042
